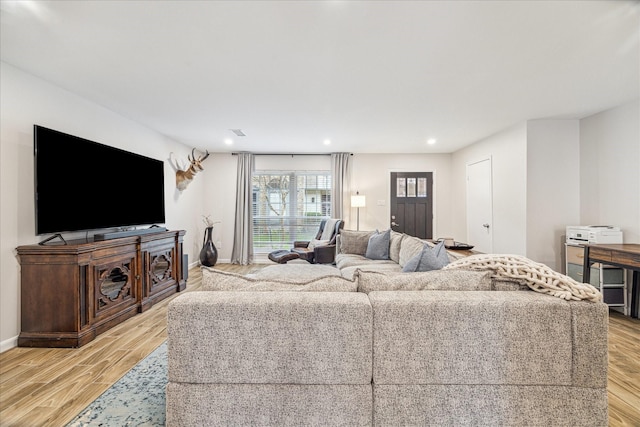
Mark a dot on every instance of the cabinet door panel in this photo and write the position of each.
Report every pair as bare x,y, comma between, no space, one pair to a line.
160,274
114,286
161,268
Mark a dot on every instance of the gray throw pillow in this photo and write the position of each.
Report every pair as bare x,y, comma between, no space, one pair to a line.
428,259
378,247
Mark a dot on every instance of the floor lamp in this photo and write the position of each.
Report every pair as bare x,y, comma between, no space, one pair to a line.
358,202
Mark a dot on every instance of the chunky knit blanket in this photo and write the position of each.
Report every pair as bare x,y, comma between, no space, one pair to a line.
536,276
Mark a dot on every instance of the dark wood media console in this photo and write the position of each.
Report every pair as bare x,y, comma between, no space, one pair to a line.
71,293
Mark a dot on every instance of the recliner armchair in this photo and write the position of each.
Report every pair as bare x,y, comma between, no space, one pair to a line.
320,250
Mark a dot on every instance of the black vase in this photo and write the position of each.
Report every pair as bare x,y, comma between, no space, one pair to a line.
209,253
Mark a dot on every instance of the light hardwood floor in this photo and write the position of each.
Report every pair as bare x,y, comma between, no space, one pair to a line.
48,387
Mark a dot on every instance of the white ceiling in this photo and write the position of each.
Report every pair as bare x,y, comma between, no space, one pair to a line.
371,76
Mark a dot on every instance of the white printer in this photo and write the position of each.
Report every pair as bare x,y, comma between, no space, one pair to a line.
586,234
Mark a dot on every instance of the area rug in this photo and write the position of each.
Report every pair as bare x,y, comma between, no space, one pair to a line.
137,399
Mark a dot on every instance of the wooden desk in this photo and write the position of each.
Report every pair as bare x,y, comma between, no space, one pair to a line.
620,255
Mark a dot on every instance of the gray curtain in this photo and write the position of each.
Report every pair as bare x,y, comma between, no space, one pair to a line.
242,252
340,179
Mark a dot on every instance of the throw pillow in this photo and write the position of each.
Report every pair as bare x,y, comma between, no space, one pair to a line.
428,259
442,280
354,242
378,247
217,280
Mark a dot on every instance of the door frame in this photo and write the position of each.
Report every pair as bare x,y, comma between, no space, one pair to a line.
434,192
488,157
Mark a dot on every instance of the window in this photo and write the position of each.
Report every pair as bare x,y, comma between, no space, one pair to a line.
288,206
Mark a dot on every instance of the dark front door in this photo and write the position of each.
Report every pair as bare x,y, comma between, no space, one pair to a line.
412,203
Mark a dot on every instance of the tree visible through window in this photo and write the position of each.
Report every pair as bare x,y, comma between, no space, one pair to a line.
288,206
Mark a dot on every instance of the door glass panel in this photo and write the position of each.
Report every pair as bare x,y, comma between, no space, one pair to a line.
411,187
422,187
401,187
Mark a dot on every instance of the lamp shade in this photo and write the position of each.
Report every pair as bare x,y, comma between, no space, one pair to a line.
358,201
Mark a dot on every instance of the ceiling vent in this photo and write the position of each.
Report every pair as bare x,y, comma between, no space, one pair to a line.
238,132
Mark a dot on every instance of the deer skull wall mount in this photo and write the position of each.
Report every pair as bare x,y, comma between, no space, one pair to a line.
184,176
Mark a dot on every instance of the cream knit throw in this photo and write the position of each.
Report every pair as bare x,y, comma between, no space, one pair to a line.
536,276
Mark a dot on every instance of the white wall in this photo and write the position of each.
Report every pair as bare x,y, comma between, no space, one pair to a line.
371,177
508,151
219,198
610,169
553,187
26,100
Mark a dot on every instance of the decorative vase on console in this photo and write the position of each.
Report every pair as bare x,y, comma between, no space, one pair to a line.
208,253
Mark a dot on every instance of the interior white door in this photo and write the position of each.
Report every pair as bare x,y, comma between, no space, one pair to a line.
480,206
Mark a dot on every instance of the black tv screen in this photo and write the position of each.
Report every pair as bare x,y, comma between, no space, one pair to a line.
84,185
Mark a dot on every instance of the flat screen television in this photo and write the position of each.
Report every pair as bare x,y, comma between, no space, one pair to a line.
84,185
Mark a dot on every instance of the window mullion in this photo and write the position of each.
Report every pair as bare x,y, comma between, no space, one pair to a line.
293,205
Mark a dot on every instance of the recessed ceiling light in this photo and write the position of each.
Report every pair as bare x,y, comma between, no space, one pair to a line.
228,141
431,141
327,142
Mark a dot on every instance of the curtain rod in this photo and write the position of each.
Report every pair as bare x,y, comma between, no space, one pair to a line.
287,154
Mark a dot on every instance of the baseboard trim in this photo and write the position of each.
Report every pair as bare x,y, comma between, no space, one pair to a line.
196,264
8,344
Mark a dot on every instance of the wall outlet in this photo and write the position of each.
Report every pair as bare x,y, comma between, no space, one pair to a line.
381,202
219,244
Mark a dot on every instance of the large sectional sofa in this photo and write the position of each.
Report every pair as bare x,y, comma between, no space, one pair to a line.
307,345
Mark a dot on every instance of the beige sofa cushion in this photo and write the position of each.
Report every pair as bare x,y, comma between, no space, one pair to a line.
292,272
394,246
352,260
270,338
488,405
217,280
482,337
268,405
462,280
381,267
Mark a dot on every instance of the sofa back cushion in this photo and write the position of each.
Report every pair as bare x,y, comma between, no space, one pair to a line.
217,280
442,337
270,338
394,246
460,280
409,248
